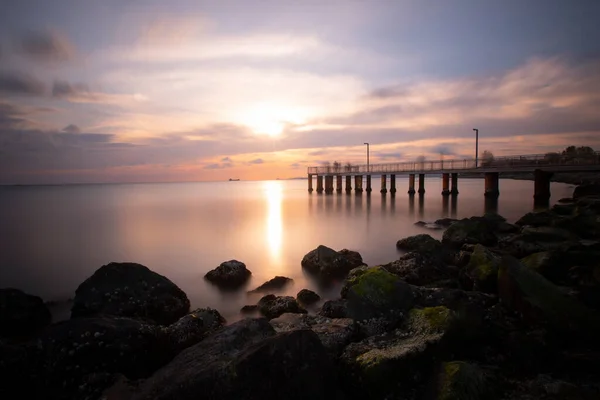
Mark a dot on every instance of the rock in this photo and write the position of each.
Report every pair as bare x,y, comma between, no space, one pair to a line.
236,362
249,308
589,204
525,291
18,370
446,222
533,240
546,234
453,299
482,270
566,200
307,297
461,258
71,351
563,209
327,263
194,327
584,223
459,380
421,269
335,334
21,314
334,309
506,228
539,218
420,244
272,306
472,231
586,190
277,283
130,290
229,274
376,292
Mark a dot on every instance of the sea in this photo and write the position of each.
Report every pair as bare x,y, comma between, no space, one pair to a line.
53,237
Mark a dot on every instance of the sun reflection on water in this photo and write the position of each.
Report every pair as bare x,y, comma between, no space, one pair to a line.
274,231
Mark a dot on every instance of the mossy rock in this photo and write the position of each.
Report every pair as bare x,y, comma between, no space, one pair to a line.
376,292
482,269
458,380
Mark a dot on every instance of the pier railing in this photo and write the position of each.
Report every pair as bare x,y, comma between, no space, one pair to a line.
504,163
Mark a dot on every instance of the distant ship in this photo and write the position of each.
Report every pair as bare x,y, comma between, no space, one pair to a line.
233,180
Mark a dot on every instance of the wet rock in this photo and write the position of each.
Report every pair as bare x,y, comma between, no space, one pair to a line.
454,299
277,283
229,274
533,240
420,244
445,222
194,327
536,219
589,204
563,209
18,370
327,263
472,231
506,228
421,269
21,314
272,306
586,190
482,270
375,292
307,297
334,309
585,223
566,200
249,308
130,290
459,380
460,258
236,361
335,334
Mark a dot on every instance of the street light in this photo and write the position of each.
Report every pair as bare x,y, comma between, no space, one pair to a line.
476,146
367,156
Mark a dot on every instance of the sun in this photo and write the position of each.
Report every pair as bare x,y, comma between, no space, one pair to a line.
270,119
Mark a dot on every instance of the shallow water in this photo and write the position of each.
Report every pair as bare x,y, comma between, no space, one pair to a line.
54,237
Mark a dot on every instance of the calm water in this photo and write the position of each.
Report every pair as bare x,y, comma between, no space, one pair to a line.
54,237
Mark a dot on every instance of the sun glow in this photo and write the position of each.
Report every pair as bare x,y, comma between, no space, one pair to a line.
270,119
274,223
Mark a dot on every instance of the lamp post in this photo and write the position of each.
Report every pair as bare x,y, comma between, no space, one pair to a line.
476,147
368,170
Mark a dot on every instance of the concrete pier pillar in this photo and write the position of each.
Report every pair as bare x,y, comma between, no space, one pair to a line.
310,187
338,183
541,195
445,184
383,184
369,189
348,184
358,183
454,189
491,205
411,184
492,184
445,205
393,184
421,183
329,184
319,183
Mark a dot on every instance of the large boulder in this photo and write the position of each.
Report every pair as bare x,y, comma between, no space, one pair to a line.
130,290
375,293
525,291
307,297
21,314
533,240
246,360
422,269
334,309
272,306
229,274
420,244
194,327
459,380
335,334
481,273
277,283
585,223
586,190
538,218
327,263
476,230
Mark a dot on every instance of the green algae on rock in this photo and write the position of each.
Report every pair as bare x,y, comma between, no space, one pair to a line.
459,380
482,269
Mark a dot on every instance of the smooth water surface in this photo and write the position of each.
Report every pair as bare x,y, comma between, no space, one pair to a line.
54,237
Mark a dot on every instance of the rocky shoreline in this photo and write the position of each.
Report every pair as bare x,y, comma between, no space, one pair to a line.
492,311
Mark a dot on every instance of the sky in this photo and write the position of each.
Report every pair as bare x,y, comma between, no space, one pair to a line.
193,90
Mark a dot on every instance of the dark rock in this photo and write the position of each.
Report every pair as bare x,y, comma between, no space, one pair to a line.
421,223
586,190
327,263
461,258
18,370
21,314
277,283
566,200
473,231
306,296
589,204
539,218
229,274
420,244
375,292
334,309
272,306
130,290
421,268
454,299
585,223
563,209
194,327
249,308
446,222
245,360
482,270
533,240
459,380
506,228
335,334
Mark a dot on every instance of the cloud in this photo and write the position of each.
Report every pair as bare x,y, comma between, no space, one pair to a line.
47,46
256,161
388,155
71,129
81,93
226,159
20,83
